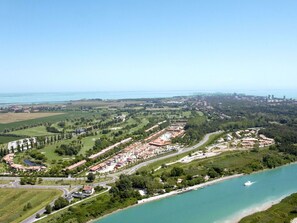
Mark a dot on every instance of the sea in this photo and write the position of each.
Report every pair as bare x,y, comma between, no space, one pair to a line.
224,202
58,97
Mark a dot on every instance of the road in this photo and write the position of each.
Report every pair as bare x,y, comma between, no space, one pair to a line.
113,176
32,218
182,151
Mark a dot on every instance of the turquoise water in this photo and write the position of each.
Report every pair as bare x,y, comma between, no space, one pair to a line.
220,202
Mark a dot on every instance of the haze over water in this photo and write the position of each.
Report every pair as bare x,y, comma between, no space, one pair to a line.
51,97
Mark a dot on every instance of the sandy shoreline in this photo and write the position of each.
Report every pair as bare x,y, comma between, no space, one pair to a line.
249,211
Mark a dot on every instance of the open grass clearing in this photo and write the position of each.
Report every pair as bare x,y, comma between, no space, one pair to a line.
34,131
65,182
6,139
5,181
12,202
88,143
49,150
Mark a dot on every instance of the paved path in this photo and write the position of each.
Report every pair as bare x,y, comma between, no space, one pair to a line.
33,218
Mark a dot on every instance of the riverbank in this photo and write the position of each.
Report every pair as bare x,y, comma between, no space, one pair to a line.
242,212
172,193
284,210
184,190
261,207
253,210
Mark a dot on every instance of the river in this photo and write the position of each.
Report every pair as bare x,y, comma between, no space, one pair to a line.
226,201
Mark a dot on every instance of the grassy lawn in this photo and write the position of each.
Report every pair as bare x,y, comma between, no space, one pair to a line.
35,131
281,212
88,143
6,139
49,150
2,167
5,181
12,202
144,122
63,182
72,182
233,162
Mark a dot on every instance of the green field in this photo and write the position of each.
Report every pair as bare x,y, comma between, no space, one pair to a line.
49,150
5,181
66,182
3,167
12,202
284,211
6,139
88,143
50,119
35,131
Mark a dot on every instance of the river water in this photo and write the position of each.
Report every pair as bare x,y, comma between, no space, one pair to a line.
226,201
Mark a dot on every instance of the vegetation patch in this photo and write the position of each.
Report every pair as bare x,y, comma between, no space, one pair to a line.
18,204
16,117
284,211
35,131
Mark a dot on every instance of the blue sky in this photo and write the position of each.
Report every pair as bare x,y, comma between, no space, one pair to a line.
222,45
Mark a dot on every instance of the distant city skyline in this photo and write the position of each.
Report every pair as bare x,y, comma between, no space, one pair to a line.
214,46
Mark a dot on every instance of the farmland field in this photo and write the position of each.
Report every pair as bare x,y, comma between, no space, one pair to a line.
12,202
48,119
16,117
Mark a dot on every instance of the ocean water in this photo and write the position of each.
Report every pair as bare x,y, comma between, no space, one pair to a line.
53,97
222,202
28,98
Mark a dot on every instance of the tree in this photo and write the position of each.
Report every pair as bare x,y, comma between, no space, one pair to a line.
60,203
29,205
48,209
40,180
37,215
91,177
176,172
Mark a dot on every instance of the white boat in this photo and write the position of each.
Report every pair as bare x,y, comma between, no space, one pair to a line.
248,183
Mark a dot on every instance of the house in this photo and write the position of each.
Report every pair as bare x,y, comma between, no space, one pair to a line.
88,190
79,195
